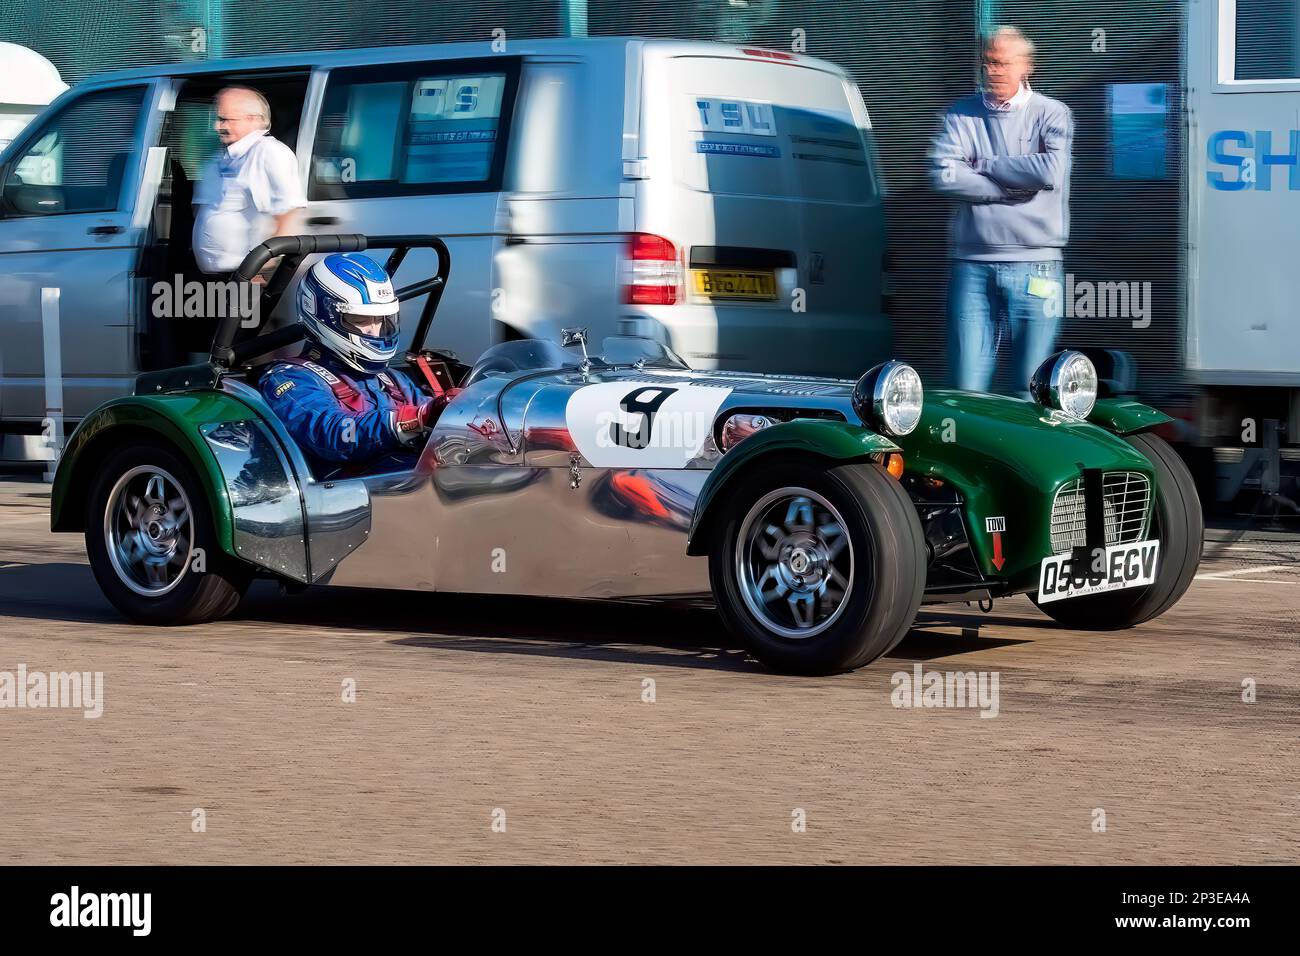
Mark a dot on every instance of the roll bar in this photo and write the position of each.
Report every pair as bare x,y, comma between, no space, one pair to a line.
225,353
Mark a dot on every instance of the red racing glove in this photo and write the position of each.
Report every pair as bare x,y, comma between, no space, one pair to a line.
431,408
413,420
409,422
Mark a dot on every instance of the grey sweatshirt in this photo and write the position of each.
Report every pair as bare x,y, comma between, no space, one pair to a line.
1010,174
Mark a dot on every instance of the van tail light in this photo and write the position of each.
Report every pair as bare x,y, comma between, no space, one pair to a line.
654,271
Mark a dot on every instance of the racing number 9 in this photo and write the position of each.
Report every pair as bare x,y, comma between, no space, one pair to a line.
633,404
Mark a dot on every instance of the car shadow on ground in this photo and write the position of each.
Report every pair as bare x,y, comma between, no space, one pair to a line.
662,633
674,634
53,591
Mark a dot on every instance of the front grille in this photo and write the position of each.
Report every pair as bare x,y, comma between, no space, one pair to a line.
1125,496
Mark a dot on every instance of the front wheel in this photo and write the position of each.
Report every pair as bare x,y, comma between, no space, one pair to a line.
151,543
818,569
1179,527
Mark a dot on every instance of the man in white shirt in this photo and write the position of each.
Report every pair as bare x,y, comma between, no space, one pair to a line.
250,191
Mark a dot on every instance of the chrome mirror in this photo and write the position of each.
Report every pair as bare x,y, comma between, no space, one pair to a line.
577,337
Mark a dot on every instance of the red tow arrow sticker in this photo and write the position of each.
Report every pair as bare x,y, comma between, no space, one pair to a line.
995,527
998,560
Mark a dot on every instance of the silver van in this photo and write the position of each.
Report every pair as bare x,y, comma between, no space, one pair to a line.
722,199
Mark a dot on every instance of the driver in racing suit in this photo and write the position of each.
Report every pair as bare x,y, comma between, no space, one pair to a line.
339,400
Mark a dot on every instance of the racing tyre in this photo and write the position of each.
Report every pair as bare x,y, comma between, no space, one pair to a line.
151,543
818,569
1179,527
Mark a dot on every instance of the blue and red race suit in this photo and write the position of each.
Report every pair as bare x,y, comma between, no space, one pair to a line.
342,417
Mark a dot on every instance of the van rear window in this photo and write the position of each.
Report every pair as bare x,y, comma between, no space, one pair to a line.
412,129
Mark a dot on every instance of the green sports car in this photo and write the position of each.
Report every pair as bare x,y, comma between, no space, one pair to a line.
818,513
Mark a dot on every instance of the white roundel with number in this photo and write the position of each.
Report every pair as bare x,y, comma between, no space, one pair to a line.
642,424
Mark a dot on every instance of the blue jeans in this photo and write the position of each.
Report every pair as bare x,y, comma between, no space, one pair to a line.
992,310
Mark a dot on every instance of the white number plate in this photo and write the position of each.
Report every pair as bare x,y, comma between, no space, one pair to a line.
1122,566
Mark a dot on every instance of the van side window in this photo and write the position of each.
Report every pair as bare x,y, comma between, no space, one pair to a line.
407,130
77,160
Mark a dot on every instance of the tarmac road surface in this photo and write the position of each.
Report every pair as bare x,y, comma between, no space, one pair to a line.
494,731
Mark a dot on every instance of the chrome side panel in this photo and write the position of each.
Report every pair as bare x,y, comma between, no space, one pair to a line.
338,515
264,497
470,454
510,529
400,547
618,534
501,502
477,517
562,527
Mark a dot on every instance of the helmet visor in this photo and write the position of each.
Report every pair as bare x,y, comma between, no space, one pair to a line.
374,326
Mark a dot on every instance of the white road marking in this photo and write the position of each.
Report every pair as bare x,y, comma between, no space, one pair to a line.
1280,546
1217,575
1251,547
1289,584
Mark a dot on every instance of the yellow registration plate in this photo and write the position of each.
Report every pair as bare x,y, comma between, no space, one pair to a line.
733,284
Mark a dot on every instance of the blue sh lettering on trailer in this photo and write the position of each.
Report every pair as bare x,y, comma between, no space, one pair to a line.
1251,163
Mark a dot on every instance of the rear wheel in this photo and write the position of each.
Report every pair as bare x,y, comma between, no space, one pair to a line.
818,569
1179,527
151,543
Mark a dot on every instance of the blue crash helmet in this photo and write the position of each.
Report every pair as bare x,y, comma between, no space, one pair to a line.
336,293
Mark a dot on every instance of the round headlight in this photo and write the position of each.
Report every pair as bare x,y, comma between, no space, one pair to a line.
889,398
1067,381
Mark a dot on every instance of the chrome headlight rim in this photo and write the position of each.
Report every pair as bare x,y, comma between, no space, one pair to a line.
1050,382
871,398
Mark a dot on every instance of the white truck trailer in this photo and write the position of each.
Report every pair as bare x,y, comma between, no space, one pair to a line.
1242,323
